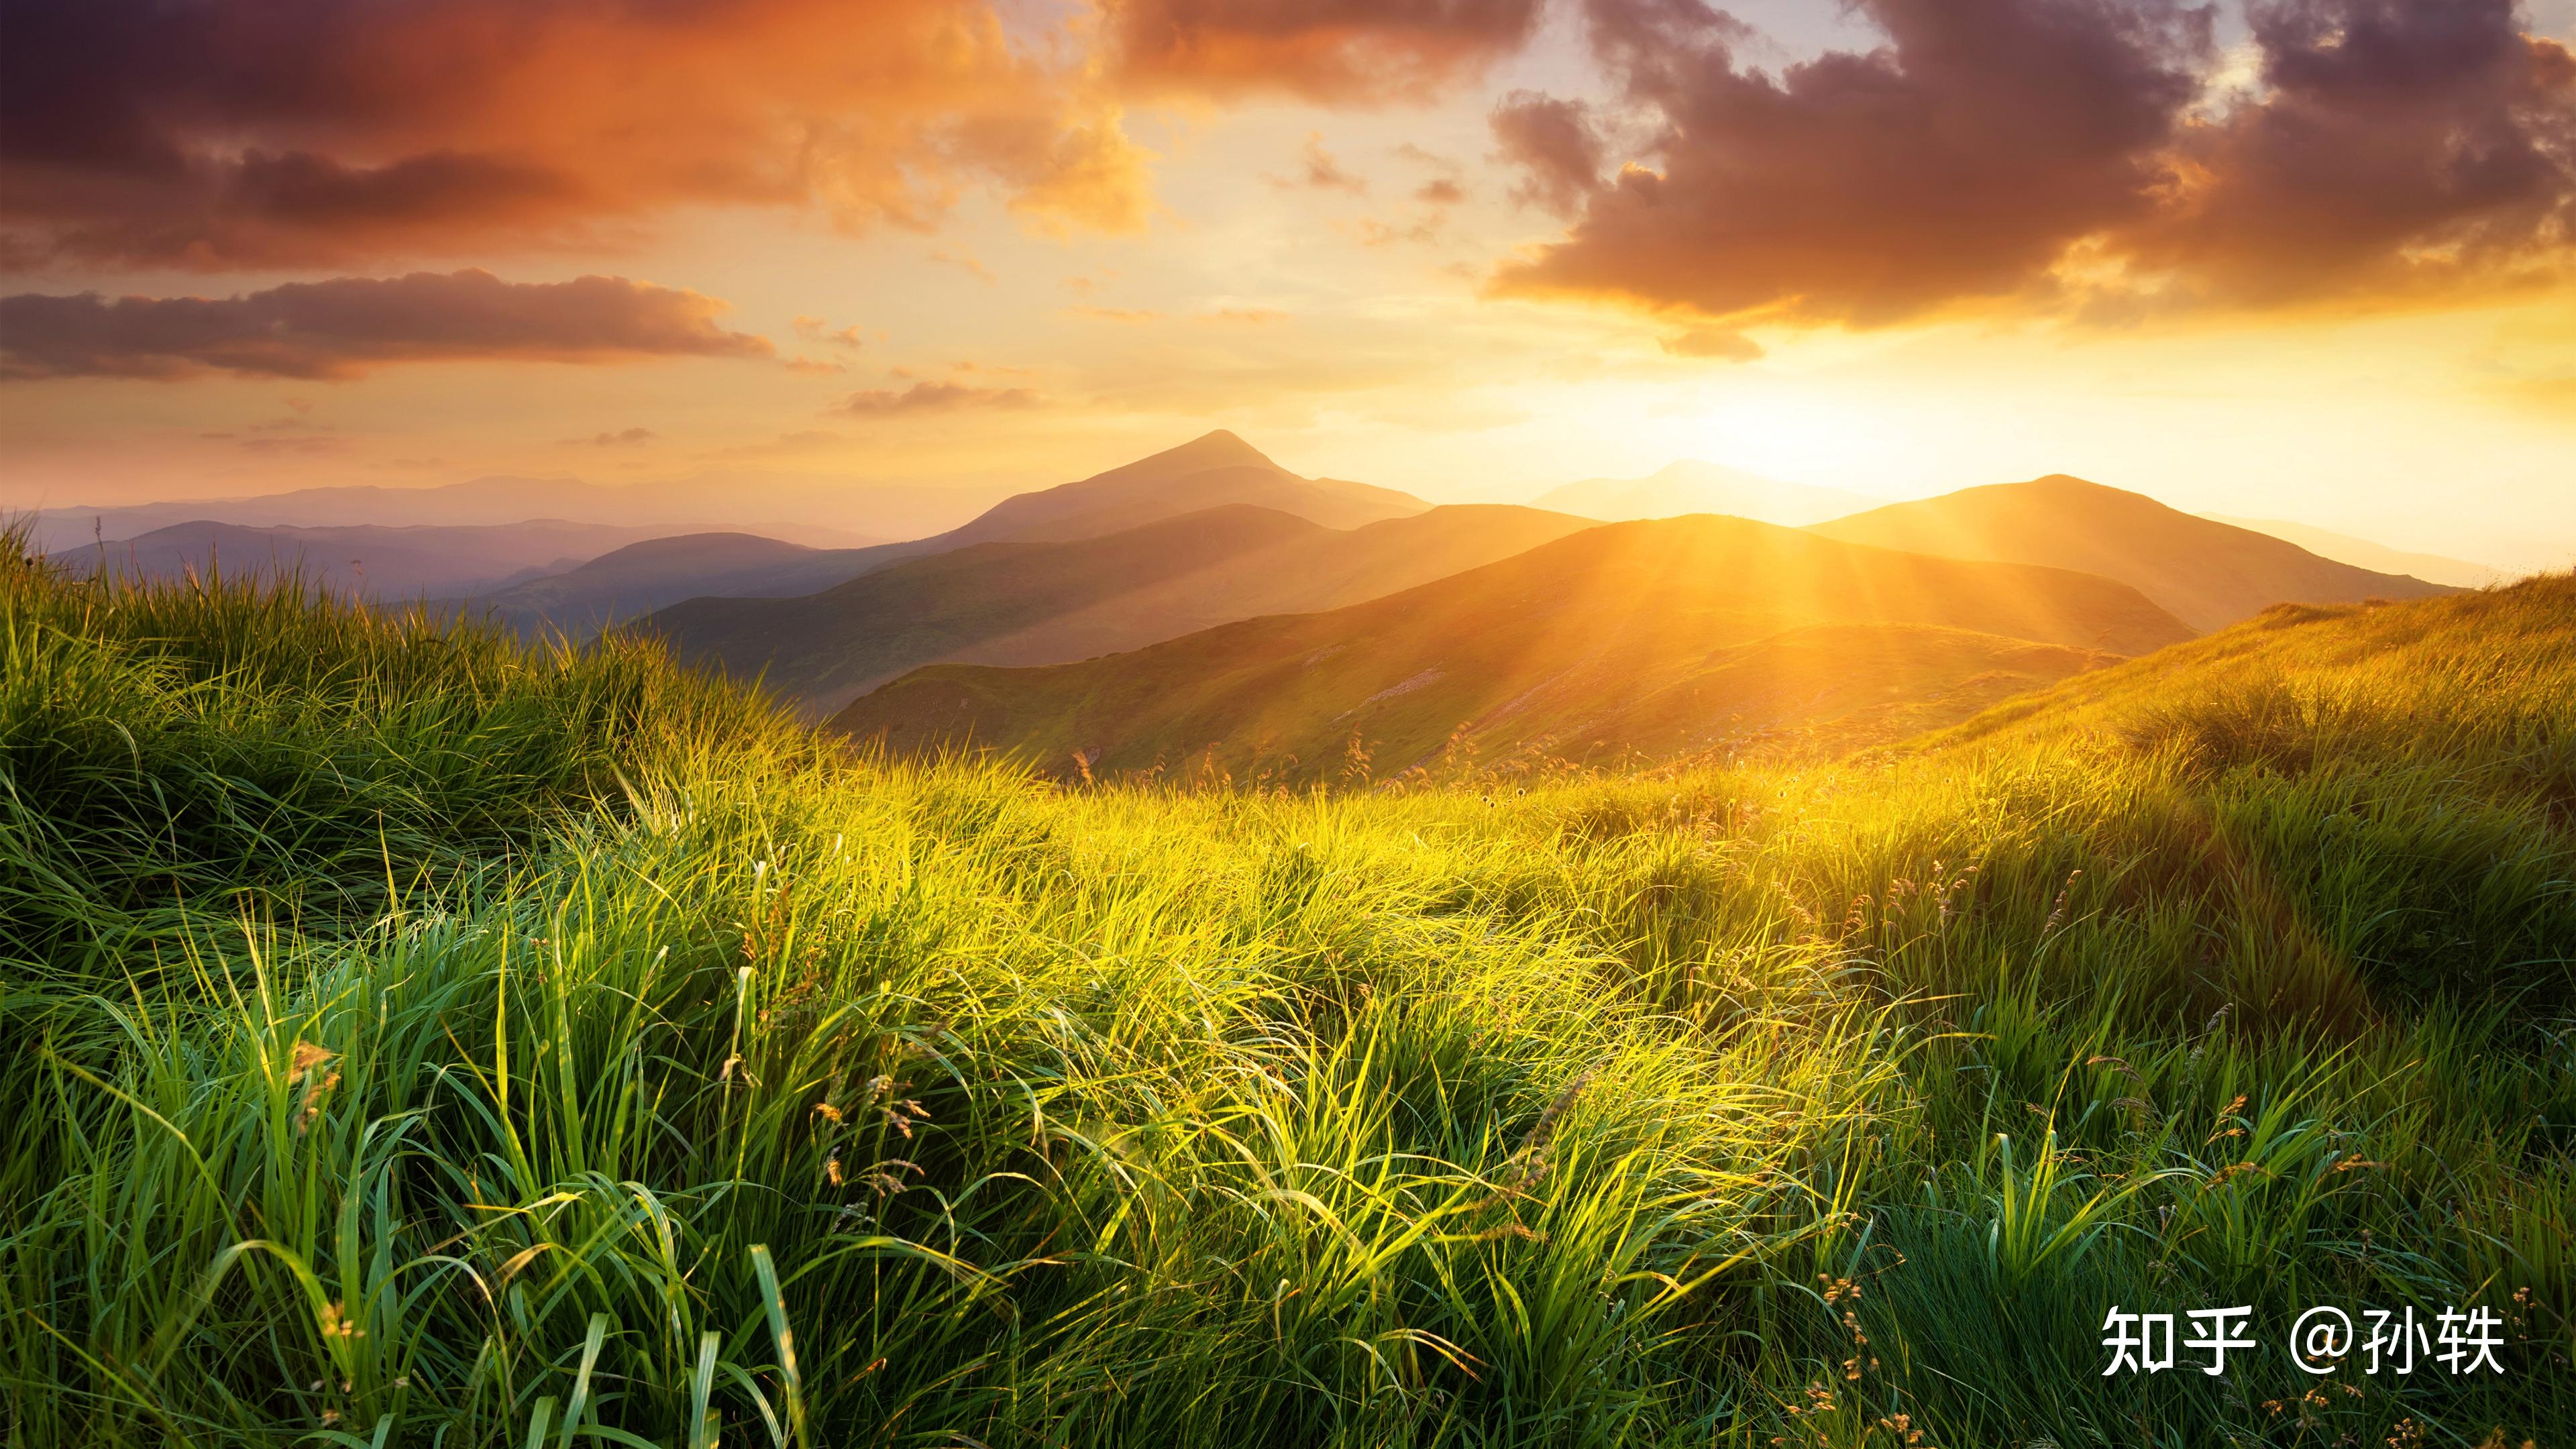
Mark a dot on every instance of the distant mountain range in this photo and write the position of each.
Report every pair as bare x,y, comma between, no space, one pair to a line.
1691,486
420,561
2209,574
1216,469
1656,638
1301,628
2432,568
888,512
1047,603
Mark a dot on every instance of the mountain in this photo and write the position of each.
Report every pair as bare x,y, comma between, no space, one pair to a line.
1691,486
421,561
1660,638
1207,472
636,580
2380,558
1046,603
2208,574
1213,469
832,515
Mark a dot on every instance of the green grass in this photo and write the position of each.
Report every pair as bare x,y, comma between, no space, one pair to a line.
420,1041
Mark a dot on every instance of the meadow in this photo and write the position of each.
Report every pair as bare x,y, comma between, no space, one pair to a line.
417,1037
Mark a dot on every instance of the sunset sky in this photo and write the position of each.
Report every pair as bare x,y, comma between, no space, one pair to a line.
2312,259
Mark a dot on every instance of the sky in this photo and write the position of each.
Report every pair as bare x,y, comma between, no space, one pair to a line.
2305,259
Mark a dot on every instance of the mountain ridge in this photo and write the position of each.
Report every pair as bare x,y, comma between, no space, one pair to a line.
1210,470
1516,656
1028,603
2206,573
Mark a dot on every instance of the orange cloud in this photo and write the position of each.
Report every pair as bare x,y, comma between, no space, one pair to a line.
1363,51
310,132
344,327
935,397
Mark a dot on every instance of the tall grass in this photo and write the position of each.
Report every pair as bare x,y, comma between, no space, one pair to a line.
424,1041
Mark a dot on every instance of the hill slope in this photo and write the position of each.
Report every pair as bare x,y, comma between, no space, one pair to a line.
2208,574
2432,568
1207,472
1691,486
1633,637
420,561
1047,603
2466,676
408,948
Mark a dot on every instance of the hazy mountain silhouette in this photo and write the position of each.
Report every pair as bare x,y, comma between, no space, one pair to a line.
1660,638
421,561
639,578
2432,568
2209,574
1691,486
1046,603
856,514
1216,469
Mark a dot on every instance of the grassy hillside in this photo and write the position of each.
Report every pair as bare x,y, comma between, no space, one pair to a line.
1046,603
691,1081
1636,639
2209,574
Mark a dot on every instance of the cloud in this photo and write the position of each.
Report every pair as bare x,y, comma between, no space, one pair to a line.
1440,191
1960,161
1721,343
625,438
344,327
935,397
2404,147
1318,169
814,366
1113,314
1338,51
2055,156
307,445
815,329
315,132
1556,147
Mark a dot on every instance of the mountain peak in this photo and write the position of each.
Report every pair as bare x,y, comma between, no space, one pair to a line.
1219,448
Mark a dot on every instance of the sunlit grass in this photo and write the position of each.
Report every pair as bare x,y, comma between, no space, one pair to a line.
417,1040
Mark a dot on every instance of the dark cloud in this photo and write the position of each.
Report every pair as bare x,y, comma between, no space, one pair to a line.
2402,145
343,327
2423,147
623,438
312,132
1960,161
1321,50
1440,191
1556,147
935,397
